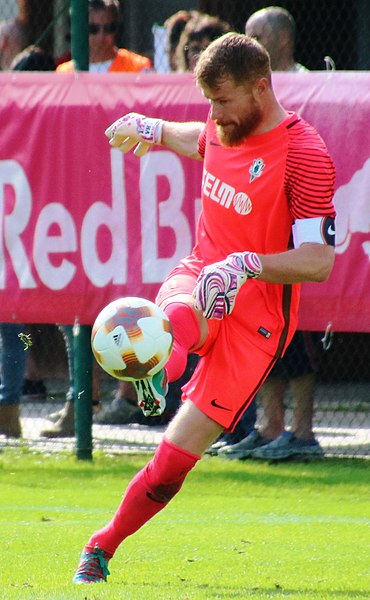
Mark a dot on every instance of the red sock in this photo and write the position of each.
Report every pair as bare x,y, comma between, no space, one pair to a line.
186,336
148,492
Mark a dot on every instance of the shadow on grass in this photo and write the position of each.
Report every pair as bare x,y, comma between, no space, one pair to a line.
142,592
207,592
324,472
277,592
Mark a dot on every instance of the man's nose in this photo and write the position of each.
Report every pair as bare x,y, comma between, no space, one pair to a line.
216,112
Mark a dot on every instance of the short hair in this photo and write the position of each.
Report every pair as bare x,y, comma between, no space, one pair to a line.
33,58
111,6
279,19
207,26
175,24
199,27
234,56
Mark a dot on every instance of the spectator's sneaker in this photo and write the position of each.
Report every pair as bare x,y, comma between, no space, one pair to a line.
288,445
151,394
225,439
55,416
93,567
119,412
64,426
214,449
245,447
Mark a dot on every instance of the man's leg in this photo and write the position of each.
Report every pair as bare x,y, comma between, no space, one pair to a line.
300,363
186,438
272,400
300,441
303,395
13,364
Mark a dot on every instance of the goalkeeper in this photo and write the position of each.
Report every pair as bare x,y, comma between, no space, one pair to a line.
267,224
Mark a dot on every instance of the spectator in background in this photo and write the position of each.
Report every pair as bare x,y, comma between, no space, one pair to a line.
174,27
295,371
34,388
13,364
64,420
274,27
198,33
103,52
33,58
13,39
17,368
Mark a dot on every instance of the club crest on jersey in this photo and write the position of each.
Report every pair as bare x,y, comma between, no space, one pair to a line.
256,169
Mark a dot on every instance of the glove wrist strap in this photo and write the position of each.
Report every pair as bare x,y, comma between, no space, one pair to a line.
252,265
150,130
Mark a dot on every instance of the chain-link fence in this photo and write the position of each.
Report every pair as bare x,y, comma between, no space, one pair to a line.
338,29
335,28
341,400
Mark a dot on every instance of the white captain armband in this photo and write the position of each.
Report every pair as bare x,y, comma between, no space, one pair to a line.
319,230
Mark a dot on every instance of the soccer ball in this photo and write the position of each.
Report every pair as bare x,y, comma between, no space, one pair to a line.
132,338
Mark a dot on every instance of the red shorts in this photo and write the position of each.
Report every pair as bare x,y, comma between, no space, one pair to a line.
232,368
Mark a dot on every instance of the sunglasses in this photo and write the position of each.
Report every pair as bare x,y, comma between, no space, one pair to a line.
107,28
194,50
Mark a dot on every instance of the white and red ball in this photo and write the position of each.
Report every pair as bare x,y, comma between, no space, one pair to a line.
131,338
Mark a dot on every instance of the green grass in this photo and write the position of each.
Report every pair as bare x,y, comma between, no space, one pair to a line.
236,530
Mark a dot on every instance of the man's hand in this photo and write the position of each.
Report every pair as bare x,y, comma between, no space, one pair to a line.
219,283
134,130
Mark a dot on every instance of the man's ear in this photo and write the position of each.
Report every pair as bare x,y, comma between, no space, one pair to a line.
284,41
259,88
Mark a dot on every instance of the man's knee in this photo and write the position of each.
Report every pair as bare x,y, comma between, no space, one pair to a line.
167,470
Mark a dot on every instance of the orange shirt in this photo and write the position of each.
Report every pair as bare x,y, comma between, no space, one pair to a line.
251,196
124,61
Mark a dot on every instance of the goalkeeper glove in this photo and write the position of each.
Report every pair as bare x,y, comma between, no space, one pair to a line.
135,130
218,284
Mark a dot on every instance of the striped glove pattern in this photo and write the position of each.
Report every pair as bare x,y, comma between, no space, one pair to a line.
218,284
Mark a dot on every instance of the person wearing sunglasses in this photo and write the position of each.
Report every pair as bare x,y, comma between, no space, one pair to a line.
104,56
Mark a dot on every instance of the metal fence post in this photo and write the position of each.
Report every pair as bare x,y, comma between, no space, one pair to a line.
82,333
80,34
83,390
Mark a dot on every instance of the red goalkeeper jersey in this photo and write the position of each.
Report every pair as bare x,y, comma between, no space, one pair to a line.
251,196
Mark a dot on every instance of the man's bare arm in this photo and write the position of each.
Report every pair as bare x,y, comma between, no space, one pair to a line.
309,262
182,137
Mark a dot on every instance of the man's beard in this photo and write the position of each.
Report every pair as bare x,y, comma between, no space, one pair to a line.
233,135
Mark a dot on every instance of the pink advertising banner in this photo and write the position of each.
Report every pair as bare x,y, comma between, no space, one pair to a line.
81,224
